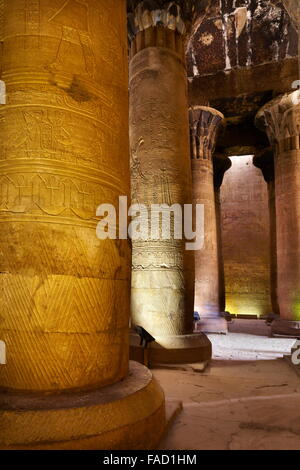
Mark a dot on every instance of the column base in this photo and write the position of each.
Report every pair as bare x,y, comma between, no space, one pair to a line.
216,325
184,349
285,328
129,415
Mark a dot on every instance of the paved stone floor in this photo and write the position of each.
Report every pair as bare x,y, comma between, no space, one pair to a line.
249,398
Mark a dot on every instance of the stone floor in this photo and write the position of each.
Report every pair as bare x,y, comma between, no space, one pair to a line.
249,398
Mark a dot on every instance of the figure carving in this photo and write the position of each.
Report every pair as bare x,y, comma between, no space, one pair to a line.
73,18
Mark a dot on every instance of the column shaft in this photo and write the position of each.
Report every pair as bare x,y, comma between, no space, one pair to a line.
162,277
287,184
163,270
205,124
265,162
221,164
280,119
64,293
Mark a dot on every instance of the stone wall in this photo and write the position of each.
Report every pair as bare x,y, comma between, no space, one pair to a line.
245,231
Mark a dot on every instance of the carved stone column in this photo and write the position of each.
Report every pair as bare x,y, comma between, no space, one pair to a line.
205,124
280,119
163,271
221,164
265,162
64,293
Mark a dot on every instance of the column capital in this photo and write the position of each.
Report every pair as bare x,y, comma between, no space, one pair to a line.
264,160
221,164
280,119
205,126
176,15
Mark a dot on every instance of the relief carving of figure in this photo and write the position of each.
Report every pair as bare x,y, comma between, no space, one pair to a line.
73,18
165,188
138,178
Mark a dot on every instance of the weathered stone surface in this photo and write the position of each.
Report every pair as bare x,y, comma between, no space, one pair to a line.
64,293
242,92
240,55
280,118
193,348
221,164
126,415
264,160
249,400
205,125
175,15
240,34
245,236
163,271
61,140
158,36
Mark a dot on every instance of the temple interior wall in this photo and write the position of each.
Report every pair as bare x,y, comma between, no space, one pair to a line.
245,234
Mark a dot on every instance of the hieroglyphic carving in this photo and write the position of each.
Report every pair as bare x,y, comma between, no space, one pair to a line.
64,151
157,256
165,189
162,280
32,23
50,194
73,17
58,116
142,186
138,179
161,171
54,131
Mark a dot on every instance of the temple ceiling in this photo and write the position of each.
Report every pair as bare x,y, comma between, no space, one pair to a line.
240,53
240,33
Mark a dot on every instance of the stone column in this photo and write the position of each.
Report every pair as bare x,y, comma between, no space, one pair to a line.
280,119
205,124
221,164
265,162
64,293
163,270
